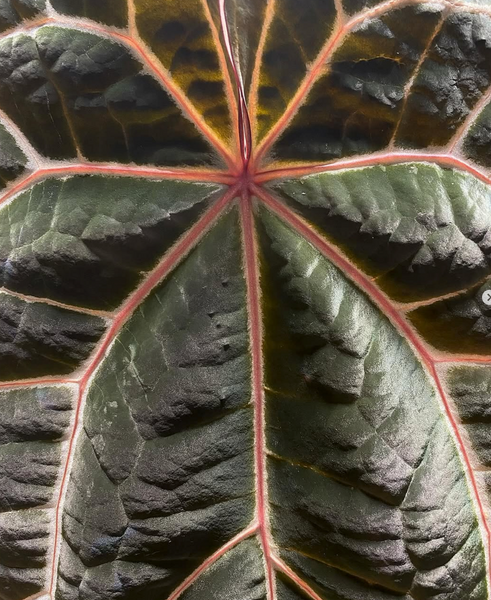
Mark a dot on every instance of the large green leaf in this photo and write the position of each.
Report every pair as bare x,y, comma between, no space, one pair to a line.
245,265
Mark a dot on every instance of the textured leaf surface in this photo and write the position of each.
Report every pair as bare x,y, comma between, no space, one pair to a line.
470,391
12,159
32,424
86,240
460,323
293,39
181,37
469,388
111,12
245,300
360,437
167,449
38,339
12,12
86,94
419,229
356,105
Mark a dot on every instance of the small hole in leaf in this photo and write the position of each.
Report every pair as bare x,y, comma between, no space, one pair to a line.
226,347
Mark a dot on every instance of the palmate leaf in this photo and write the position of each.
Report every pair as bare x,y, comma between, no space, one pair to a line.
245,255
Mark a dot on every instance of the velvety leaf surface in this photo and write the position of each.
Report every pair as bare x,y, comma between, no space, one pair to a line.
166,452
13,12
244,312
453,76
339,426
12,160
294,38
356,105
180,35
470,388
73,92
420,229
458,324
243,566
32,423
478,143
87,239
37,339
110,12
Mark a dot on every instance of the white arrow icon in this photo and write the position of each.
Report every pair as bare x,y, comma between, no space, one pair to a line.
486,297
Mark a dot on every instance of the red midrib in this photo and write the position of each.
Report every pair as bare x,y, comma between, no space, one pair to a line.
68,169
376,158
254,311
255,330
251,270
170,260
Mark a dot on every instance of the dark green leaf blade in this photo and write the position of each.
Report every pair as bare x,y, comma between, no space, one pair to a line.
33,422
86,94
37,339
253,426
87,240
454,76
356,105
240,570
13,161
166,450
459,325
292,41
420,230
181,37
13,12
477,144
110,12
342,432
470,388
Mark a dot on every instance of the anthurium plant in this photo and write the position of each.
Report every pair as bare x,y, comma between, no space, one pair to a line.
245,305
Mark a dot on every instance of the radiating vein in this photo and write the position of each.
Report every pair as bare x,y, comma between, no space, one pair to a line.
458,138
252,99
317,69
169,261
290,573
251,530
21,139
416,72
397,320
256,336
54,169
229,85
72,307
375,158
139,49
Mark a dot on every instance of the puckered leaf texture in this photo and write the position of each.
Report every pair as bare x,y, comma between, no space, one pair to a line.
245,299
